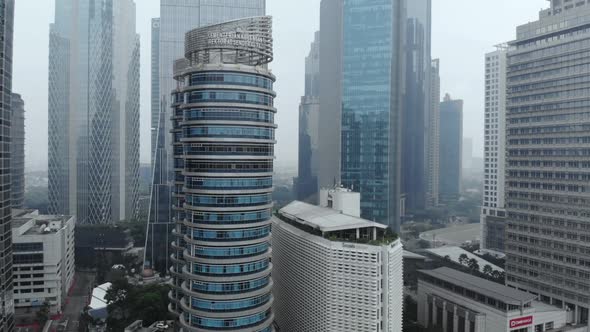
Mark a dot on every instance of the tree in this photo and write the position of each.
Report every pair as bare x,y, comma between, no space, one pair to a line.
496,274
127,303
473,265
463,259
488,270
43,313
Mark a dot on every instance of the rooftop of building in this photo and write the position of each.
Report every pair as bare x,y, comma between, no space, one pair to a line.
30,222
454,253
325,219
98,303
482,286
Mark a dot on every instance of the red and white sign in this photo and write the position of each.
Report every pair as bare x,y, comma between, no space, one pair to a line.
521,321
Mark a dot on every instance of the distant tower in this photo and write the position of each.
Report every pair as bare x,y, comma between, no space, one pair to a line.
17,152
306,183
433,151
416,103
93,111
451,147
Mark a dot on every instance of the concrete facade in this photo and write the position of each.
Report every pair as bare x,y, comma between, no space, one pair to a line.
548,149
43,259
325,283
452,301
493,213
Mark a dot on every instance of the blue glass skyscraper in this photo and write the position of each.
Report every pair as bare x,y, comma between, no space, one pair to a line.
372,60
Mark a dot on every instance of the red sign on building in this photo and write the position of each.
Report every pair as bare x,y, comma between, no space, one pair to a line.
520,322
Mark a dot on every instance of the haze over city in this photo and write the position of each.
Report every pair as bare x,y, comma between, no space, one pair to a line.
462,31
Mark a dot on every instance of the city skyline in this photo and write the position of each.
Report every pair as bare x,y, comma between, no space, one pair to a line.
462,79
452,181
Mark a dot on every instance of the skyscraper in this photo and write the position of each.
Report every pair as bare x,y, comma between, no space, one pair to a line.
176,18
6,291
360,141
94,111
306,183
548,149
433,141
467,154
224,136
416,104
155,84
17,152
451,142
493,214
330,98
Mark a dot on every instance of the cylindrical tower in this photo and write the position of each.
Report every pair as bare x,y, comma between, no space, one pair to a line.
224,136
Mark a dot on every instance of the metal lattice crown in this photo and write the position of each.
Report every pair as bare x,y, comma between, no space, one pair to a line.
245,41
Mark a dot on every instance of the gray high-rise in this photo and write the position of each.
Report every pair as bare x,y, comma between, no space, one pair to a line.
155,84
433,138
6,291
17,152
94,111
416,104
451,145
548,157
306,183
176,18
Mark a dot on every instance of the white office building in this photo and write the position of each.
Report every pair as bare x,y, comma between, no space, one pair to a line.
453,301
334,271
493,214
43,259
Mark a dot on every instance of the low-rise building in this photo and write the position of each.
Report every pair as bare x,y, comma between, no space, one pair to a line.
43,260
453,301
335,272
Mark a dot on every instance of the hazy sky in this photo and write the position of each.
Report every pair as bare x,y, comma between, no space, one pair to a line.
462,32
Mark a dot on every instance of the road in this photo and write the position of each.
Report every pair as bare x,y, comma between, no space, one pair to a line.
78,299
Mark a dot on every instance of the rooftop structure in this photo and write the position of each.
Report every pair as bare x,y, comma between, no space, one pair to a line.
453,254
453,236
485,287
324,219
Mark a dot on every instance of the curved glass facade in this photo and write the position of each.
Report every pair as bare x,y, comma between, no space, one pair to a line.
223,156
